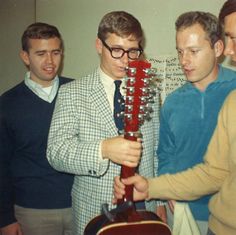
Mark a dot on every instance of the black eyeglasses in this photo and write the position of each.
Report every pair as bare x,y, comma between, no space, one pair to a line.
117,53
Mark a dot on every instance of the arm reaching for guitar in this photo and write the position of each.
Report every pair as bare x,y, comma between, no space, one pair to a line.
122,151
140,192
205,178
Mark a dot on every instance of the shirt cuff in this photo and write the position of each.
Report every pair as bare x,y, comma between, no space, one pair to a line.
100,158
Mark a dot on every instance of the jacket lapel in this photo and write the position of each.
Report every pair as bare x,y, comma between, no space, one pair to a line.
99,99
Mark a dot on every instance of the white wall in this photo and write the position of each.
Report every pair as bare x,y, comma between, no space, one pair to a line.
78,21
15,15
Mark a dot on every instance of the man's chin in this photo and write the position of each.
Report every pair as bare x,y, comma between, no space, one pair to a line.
50,78
121,74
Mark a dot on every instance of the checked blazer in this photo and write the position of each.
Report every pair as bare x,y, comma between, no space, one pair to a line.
81,119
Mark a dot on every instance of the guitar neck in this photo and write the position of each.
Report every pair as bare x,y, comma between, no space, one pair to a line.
128,172
137,95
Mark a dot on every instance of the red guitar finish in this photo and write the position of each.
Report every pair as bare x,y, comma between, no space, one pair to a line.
129,220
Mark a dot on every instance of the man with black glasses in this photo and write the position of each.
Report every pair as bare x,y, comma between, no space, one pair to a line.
84,138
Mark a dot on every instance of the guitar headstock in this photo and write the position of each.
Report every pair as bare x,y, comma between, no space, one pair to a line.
139,95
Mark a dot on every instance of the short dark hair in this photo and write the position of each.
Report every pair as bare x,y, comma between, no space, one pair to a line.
39,30
122,24
206,20
228,8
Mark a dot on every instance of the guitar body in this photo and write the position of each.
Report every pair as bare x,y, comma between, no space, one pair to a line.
125,219
138,228
147,224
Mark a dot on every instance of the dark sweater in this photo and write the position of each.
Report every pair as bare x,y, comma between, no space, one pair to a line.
26,178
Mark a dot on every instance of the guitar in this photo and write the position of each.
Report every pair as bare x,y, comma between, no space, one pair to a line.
125,219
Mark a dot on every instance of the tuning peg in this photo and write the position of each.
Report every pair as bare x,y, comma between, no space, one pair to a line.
143,99
128,116
144,90
145,109
146,81
150,71
131,80
147,116
155,82
149,109
129,108
152,91
150,99
153,72
136,134
141,117
130,70
142,108
121,114
130,89
130,99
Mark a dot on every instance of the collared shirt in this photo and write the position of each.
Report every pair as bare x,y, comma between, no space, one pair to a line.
46,93
109,87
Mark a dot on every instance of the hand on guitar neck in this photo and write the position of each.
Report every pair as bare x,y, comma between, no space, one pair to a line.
140,187
122,151
140,192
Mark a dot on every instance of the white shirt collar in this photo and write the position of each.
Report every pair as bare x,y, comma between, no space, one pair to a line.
39,90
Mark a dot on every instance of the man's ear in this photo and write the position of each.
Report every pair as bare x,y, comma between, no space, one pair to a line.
219,48
98,44
25,57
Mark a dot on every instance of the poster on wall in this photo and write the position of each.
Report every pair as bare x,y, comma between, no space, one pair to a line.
169,74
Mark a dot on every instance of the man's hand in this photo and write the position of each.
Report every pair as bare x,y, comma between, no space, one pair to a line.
11,229
122,151
140,187
161,212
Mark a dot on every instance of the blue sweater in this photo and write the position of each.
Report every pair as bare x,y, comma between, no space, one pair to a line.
188,119
26,178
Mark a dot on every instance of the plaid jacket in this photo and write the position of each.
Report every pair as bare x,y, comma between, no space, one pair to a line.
81,119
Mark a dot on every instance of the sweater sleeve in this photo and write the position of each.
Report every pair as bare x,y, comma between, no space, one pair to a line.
6,186
207,177
166,147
